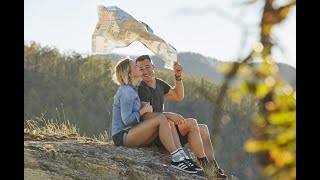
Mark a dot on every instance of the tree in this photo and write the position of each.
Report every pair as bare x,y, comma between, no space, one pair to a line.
274,124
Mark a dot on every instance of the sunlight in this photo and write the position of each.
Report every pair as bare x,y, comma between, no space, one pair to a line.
258,47
270,81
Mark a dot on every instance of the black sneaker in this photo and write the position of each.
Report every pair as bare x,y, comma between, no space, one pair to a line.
198,168
183,166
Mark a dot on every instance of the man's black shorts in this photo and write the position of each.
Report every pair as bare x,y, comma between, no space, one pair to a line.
183,140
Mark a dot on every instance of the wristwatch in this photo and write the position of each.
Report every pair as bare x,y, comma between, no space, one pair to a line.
178,78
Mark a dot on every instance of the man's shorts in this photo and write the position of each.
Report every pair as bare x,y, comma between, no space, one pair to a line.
119,139
183,139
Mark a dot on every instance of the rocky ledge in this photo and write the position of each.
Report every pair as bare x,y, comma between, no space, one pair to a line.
73,157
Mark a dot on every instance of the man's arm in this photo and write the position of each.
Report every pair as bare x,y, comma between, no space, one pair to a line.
177,92
174,117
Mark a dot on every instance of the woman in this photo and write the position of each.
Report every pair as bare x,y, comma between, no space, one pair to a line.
127,129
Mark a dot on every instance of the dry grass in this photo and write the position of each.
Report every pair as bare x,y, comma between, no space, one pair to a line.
42,126
210,172
104,137
39,126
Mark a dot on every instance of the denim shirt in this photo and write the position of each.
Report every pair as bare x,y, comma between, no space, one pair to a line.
126,106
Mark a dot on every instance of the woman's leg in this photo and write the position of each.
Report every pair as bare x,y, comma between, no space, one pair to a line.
146,131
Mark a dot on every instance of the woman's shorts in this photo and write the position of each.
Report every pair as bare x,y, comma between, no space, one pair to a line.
119,139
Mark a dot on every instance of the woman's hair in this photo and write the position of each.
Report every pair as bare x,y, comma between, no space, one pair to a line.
121,72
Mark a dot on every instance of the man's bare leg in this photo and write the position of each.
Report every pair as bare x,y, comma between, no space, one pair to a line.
206,140
191,128
208,148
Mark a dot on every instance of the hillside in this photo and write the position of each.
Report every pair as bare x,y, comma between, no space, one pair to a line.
48,156
202,66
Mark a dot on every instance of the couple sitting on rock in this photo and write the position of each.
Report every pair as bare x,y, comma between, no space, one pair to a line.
138,118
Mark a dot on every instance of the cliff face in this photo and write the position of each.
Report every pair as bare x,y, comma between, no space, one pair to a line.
71,157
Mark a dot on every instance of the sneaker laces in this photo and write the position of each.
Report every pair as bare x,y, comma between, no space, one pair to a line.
188,163
181,158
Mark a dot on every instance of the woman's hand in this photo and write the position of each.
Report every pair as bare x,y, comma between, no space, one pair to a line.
145,109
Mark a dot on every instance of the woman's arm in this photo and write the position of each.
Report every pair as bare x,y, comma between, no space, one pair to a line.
126,105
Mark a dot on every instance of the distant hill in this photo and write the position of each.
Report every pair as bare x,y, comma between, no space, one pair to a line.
288,73
202,66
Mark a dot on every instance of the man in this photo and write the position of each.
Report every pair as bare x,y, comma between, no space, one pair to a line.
185,131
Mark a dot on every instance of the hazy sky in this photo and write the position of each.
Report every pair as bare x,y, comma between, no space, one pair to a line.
212,28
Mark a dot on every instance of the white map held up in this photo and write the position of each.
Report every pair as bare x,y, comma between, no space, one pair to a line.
118,29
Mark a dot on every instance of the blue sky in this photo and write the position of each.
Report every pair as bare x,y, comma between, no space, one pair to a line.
210,27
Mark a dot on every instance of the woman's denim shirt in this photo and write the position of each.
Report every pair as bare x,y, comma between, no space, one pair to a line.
126,106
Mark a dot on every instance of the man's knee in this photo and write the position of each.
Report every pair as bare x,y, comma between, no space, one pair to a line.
192,124
203,127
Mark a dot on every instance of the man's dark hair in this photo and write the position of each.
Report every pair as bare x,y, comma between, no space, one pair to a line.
143,57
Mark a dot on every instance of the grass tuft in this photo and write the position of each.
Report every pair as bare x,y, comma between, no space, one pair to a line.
39,126
42,126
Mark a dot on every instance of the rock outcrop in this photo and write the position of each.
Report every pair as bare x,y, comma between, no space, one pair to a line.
73,157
